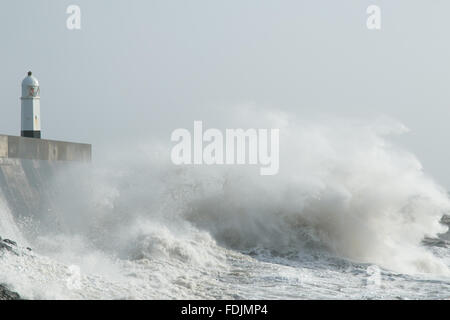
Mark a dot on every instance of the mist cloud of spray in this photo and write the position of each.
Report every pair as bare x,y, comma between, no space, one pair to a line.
342,188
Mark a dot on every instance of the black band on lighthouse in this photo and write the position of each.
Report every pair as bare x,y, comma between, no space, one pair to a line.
31,134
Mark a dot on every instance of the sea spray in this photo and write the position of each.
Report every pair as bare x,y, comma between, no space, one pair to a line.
342,187
8,226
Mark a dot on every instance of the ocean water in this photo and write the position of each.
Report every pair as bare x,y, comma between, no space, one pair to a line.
346,218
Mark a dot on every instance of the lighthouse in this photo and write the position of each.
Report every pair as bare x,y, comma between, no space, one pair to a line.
16,150
31,109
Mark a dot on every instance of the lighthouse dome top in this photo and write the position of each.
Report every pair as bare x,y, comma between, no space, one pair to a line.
30,80
30,87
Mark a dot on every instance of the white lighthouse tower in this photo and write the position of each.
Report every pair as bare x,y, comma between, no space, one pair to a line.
31,109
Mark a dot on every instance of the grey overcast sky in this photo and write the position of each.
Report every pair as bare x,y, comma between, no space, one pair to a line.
139,68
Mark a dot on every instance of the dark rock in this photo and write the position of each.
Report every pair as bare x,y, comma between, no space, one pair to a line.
10,242
3,245
436,242
8,245
6,294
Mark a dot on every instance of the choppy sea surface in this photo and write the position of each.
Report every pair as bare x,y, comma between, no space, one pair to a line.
227,274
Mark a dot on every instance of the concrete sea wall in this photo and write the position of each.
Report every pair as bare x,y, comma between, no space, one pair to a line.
27,170
39,149
25,185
